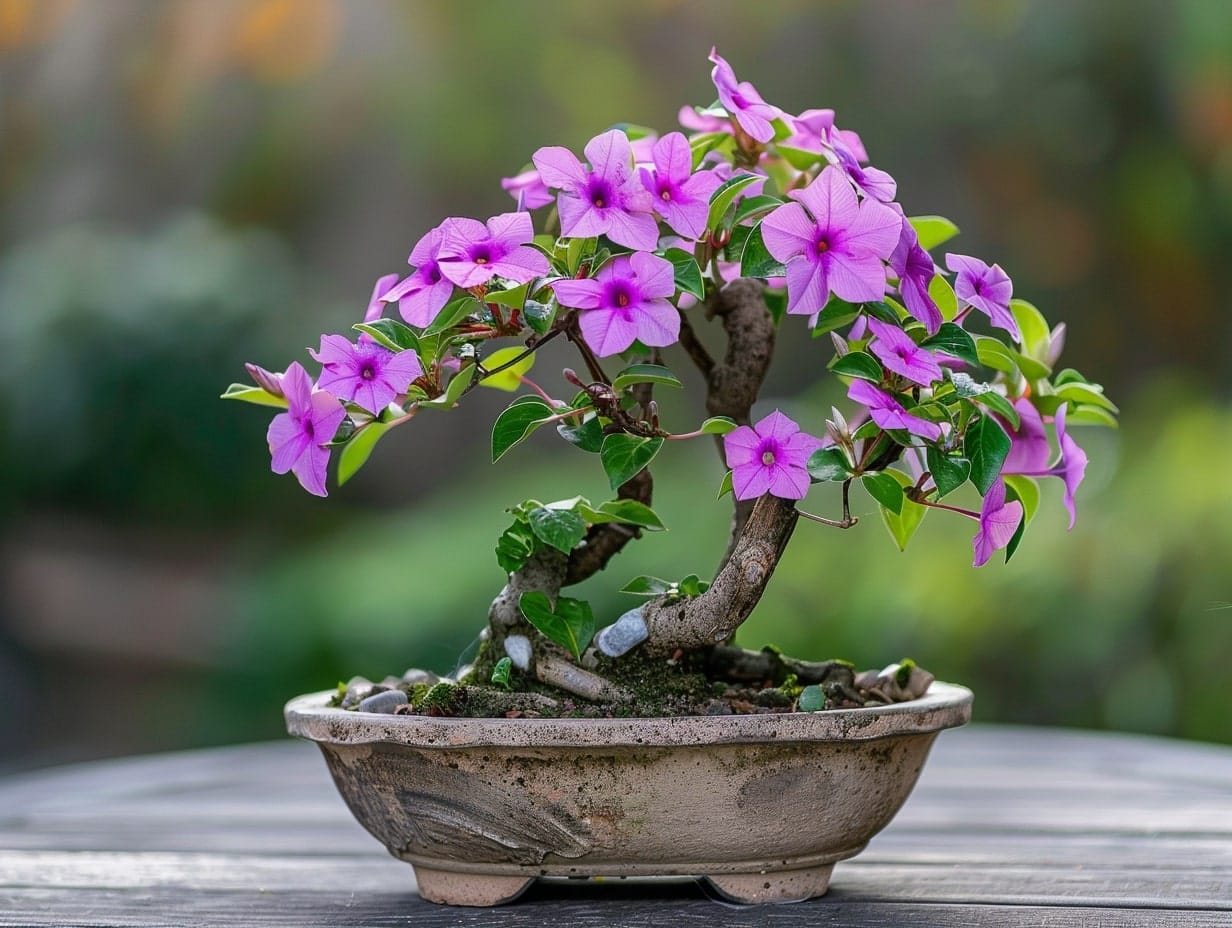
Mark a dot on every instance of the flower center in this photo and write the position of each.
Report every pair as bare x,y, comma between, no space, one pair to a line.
434,275
622,298
767,457
740,100
367,372
481,254
599,193
665,194
822,246
308,429
977,286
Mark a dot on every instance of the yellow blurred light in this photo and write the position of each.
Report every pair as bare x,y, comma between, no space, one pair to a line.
286,40
28,22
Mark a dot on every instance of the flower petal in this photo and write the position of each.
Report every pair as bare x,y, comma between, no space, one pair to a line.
559,167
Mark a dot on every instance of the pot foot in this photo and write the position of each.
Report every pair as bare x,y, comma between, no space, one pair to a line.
473,889
781,886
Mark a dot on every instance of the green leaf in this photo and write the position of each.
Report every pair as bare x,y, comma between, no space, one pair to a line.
776,302
356,451
1087,394
1000,405
520,418
631,512
954,341
949,471
538,316
718,425
393,334
576,250
588,436
513,297
458,384
828,464
1034,328
811,699
1091,415
247,393
1031,368
725,195
701,145
500,673
645,373
692,586
756,260
799,158
942,294
1016,539
881,309
836,314
1068,375
510,379
751,207
571,624
688,275
647,586
558,528
993,353
985,446
902,525
858,364
1026,490
932,230
515,546
725,485
884,489
453,313
624,456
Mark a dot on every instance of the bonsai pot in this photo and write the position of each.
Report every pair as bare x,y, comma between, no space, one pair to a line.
760,805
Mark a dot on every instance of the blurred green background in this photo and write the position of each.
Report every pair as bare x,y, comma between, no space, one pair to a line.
189,184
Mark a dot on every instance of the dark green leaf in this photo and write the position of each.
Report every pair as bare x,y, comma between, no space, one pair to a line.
514,547
518,420
631,512
828,464
858,364
588,436
949,471
538,316
453,313
1016,539
513,297
247,393
812,699
356,451
501,671
394,335
932,230
1000,405
725,195
645,373
756,260
776,302
837,313
885,490
883,311
750,207
559,528
985,446
954,341
647,586
571,624
688,274
725,485
623,456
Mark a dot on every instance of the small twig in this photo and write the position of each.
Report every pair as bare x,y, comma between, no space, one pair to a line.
846,522
573,679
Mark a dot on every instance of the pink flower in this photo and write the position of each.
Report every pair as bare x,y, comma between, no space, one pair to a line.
889,413
1029,452
998,523
297,437
681,197
896,350
985,287
472,253
426,291
527,189
366,373
741,99
770,457
625,301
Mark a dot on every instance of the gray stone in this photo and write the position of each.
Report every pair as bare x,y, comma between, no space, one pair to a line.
623,635
415,675
387,701
519,650
357,689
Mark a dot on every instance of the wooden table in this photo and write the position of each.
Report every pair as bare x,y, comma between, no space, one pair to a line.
1007,827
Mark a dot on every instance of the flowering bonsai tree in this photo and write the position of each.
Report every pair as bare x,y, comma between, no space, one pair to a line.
756,220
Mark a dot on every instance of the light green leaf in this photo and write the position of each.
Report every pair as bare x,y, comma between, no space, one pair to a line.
501,671
356,451
623,456
718,425
902,525
725,485
756,260
510,379
1086,394
932,230
513,297
452,314
1033,326
630,512
1026,490
247,393
942,294
884,489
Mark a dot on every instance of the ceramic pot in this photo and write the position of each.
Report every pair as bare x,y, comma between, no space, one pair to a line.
760,805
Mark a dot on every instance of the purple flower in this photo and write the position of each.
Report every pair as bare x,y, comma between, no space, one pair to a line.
366,373
916,270
626,300
608,199
889,413
527,189
839,249
896,350
297,437
690,118
1029,453
472,253
741,99
770,457
810,130
987,288
426,291
998,523
871,181
680,197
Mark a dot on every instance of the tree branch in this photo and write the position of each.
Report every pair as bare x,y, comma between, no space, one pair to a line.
713,617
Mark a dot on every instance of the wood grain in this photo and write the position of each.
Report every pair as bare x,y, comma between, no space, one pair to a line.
1007,827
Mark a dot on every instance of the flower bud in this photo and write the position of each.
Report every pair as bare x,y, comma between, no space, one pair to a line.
268,381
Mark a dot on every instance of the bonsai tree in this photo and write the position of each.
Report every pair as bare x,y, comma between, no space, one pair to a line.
754,221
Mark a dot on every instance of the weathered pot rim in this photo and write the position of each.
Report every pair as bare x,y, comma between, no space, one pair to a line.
945,705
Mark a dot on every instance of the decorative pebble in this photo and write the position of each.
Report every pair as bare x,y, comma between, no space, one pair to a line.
387,701
357,688
519,651
623,635
415,675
